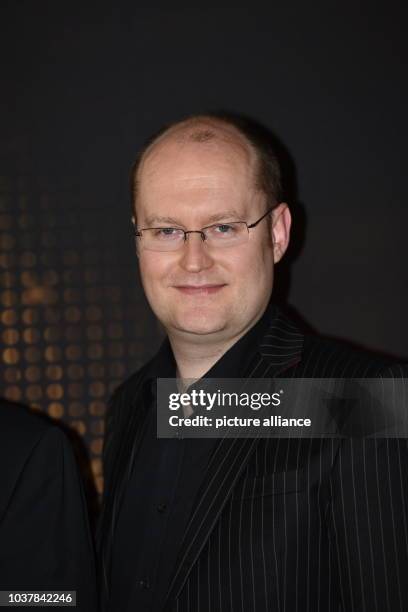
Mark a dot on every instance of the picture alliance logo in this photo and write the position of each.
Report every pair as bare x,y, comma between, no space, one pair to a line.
221,399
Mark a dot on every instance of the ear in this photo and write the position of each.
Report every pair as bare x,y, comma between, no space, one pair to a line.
133,221
281,222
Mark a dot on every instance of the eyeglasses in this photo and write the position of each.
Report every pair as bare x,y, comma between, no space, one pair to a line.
219,235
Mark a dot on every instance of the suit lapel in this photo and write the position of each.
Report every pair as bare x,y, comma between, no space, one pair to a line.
124,449
279,349
129,408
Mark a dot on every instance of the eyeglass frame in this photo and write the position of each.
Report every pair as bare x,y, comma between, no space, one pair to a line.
138,232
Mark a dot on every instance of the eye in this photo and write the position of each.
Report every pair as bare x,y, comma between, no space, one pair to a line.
224,228
166,233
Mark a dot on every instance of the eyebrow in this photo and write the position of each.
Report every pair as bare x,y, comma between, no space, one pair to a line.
226,214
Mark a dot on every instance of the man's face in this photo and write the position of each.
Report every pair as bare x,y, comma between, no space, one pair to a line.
203,293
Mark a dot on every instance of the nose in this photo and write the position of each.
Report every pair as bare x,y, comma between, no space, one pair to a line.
194,254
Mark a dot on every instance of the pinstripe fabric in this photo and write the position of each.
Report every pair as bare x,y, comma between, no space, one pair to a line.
279,524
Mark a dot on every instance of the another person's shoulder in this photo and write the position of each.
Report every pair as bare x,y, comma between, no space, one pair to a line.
24,435
327,357
19,427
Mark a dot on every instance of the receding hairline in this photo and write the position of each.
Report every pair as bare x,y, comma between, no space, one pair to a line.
261,149
200,129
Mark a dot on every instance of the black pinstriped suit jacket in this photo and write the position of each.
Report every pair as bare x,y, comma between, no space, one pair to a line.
281,525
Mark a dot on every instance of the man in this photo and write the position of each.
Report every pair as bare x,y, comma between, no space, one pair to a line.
238,524
45,543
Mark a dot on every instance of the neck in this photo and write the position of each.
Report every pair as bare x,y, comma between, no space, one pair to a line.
194,358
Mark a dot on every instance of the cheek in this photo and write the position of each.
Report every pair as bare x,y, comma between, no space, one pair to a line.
250,264
153,269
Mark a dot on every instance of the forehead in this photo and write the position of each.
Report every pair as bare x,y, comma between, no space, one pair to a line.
179,165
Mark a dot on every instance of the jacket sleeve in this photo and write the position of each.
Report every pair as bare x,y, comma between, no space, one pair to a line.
44,533
367,521
368,514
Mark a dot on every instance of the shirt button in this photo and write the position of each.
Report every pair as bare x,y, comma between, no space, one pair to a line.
143,584
161,508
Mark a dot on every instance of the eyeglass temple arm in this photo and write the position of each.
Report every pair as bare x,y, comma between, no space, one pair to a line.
135,230
263,217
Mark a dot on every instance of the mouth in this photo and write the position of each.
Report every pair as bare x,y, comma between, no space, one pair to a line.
199,289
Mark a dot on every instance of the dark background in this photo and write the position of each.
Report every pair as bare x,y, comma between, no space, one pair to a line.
83,84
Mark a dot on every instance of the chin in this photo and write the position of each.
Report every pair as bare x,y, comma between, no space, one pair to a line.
199,321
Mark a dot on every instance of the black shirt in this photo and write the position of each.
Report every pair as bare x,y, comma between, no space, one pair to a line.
164,483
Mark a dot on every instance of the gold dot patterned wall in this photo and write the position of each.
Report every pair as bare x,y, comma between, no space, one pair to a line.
71,329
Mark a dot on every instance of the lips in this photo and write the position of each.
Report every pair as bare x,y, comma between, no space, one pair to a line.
199,289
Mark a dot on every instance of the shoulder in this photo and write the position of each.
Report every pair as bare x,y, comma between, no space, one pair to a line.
131,385
129,389
27,440
316,356
327,357
124,400
21,429
122,409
